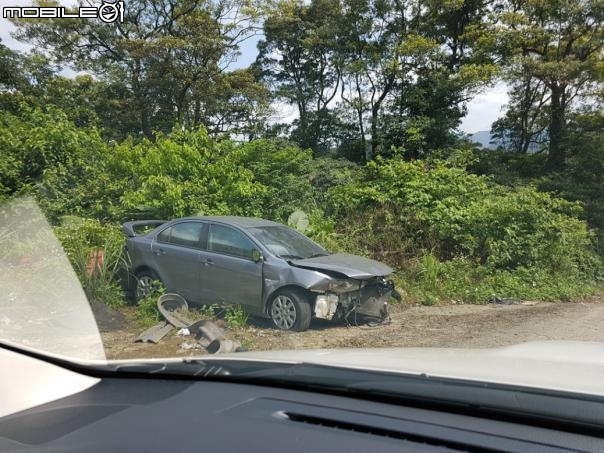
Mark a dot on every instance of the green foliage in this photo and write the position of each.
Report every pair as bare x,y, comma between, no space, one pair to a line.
281,169
146,312
42,143
428,280
553,53
512,240
409,207
584,179
80,239
235,317
209,311
167,61
182,175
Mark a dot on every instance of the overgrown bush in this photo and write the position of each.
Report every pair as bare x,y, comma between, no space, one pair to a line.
80,239
459,235
428,280
282,170
45,153
453,233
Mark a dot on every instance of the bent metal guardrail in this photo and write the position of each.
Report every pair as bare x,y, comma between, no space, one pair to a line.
173,308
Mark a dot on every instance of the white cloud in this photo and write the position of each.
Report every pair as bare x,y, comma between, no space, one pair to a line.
6,28
484,109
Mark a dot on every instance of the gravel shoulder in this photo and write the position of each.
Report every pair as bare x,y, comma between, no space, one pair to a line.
474,326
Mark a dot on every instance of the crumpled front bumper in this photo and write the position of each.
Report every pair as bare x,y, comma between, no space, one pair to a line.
370,301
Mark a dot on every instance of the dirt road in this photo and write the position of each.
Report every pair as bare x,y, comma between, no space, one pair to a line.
442,326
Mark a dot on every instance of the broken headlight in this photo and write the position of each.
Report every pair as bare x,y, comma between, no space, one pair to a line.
340,286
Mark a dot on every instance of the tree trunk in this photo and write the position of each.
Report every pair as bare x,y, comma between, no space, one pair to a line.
556,154
375,148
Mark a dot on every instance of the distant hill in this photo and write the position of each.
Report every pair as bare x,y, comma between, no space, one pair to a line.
483,138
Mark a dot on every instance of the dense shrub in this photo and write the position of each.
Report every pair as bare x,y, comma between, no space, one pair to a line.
451,233
473,237
184,174
39,145
283,171
188,173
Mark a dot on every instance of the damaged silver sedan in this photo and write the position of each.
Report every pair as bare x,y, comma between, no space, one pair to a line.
268,268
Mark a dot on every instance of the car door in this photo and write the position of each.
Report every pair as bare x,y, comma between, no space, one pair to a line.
176,252
229,275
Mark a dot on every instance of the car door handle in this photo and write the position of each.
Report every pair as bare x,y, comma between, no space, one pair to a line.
159,252
208,262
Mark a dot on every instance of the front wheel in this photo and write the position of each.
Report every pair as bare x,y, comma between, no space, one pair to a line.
290,310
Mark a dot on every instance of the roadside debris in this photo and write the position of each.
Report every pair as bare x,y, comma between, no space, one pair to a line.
503,301
186,345
208,335
155,333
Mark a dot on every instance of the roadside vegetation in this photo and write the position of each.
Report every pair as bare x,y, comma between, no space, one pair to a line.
384,172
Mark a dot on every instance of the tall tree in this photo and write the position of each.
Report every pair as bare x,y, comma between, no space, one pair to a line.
523,128
298,61
370,37
165,53
410,67
560,43
446,57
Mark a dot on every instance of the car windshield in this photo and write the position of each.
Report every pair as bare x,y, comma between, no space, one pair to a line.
185,179
287,243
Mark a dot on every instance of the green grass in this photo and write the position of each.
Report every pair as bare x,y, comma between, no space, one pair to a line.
146,311
234,316
429,281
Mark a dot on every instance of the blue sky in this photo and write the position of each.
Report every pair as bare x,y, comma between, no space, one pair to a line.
483,109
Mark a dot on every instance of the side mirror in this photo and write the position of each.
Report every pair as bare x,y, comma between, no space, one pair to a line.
257,256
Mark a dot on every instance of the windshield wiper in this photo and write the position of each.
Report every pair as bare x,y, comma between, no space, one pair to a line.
315,255
291,257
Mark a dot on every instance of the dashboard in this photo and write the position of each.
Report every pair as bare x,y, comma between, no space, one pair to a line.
156,414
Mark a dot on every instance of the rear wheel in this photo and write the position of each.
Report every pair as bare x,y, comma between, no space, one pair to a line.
290,310
146,281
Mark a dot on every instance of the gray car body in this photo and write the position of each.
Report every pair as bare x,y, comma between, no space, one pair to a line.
206,277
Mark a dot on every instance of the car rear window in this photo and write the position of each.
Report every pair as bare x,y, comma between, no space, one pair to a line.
187,234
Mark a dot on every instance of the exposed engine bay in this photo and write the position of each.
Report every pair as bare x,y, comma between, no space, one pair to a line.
366,298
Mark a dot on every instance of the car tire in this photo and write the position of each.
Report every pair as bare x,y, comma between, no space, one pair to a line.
290,310
144,284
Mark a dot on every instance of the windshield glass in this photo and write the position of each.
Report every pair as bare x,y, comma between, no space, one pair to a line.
287,243
201,178
43,306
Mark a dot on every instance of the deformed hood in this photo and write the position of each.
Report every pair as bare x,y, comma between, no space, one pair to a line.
352,266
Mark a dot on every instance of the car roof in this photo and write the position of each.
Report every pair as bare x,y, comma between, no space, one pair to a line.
241,222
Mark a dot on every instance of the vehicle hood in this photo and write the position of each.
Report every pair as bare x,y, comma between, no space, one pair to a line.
352,266
565,366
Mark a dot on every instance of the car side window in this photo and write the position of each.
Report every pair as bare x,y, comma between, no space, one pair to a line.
187,234
223,239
